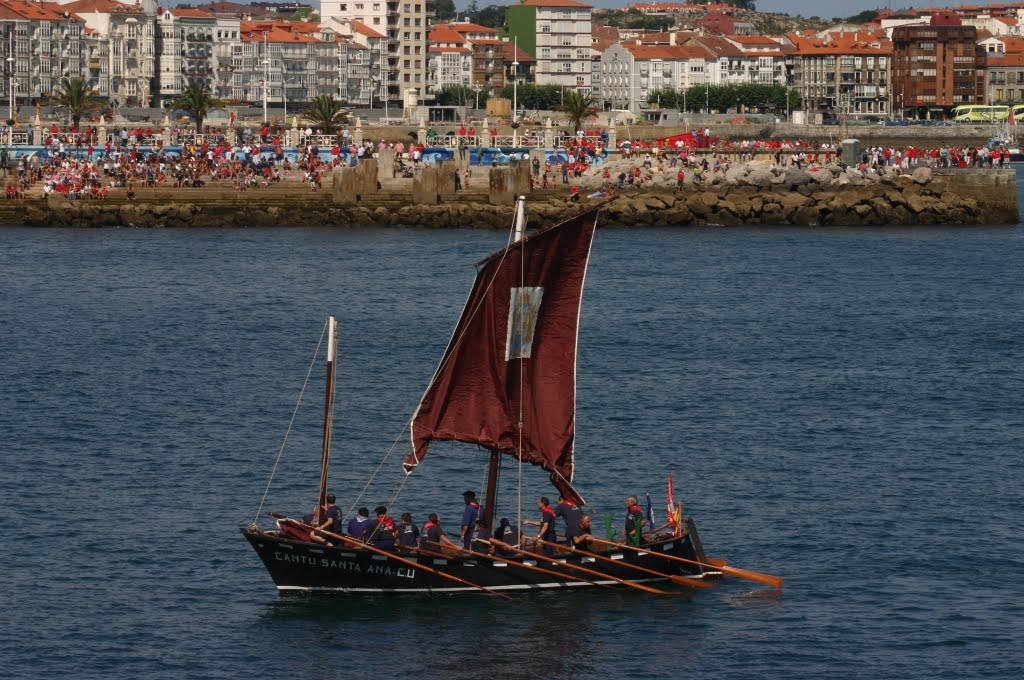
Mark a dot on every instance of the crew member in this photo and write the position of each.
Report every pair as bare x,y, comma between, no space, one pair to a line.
581,540
331,521
546,524
359,525
571,514
382,530
469,518
506,533
634,521
482,538
433,533
408,533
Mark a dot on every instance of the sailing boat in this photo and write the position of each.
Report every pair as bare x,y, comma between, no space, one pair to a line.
506,382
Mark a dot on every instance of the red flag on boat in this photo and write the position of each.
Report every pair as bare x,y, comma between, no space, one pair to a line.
674,512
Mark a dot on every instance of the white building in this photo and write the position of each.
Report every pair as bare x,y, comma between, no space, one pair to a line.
630,73
404,27
185,51
451,60
558,35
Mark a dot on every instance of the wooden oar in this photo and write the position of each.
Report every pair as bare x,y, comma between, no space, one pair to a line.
682,580
505,560
538,556
774,581
411,563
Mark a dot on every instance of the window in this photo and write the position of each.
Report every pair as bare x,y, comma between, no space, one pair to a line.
545,28
545,53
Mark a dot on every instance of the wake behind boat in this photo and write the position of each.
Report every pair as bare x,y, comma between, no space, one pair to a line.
506,382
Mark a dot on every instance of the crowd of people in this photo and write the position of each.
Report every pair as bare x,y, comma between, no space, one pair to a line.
247,158
476,533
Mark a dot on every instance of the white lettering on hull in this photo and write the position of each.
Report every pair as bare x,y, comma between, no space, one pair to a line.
345,565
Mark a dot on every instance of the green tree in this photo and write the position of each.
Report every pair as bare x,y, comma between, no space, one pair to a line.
197,103
863,17
578,108
492,16
758,97
326,113
444,9
75,95
461,95
632,18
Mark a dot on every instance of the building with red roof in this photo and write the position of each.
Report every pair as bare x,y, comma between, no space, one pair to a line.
842,73
936,66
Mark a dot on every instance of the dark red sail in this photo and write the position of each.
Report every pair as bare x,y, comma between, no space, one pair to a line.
512,357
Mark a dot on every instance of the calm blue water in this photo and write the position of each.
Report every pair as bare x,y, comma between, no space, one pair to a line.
839,407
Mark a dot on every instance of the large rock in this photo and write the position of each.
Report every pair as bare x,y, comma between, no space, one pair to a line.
922,175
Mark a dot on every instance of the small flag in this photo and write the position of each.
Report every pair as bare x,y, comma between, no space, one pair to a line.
670,510
609,532
675,512
650,513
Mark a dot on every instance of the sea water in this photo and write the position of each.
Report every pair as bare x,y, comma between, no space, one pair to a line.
841,407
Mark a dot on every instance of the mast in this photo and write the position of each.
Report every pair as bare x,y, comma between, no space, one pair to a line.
490,496
332,350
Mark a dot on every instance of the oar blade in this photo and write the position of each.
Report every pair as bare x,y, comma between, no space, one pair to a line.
758,577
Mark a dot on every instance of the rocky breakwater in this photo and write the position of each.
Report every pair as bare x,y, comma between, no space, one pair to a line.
750,193
758,193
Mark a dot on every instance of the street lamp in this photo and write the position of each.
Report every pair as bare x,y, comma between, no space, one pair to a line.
515,88
266,77
10,86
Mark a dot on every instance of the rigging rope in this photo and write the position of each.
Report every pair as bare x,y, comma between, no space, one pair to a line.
291,423
519,444
444,362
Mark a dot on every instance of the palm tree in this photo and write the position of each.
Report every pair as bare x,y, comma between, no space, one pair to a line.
197,103
326,113
77,97
578,107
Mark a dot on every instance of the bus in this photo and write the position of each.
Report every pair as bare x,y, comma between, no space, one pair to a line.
978,113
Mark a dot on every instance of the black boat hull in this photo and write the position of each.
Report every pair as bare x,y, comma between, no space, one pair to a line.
301,567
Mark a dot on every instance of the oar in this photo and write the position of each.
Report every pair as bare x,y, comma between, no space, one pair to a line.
411,563
528,567
774,581
538,556
682,580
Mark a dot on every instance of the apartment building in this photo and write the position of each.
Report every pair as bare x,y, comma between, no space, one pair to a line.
184,45
557,33
935,66
630,73
45,45
843,73
450,61
488,74
405,26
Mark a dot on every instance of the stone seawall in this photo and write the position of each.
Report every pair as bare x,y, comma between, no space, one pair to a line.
752,194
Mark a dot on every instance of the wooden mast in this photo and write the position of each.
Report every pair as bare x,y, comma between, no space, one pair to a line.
332,350
490,497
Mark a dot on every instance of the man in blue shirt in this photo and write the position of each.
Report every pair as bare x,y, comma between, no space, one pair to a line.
469,518
572,515
408,533
359,525
331,521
